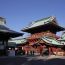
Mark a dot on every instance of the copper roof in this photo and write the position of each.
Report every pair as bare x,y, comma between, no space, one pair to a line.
45,22
5,30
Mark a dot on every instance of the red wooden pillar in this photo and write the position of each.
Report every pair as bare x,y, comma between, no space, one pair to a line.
56,51
64,53
49,50
53,50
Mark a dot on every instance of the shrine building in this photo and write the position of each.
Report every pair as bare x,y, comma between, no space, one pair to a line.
6,34
43,37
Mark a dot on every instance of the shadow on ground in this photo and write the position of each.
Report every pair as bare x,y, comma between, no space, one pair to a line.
13,61
56,61
25,61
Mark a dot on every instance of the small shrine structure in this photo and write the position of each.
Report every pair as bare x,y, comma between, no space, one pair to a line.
6,34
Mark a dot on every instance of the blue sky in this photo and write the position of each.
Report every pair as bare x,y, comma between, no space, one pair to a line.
19,13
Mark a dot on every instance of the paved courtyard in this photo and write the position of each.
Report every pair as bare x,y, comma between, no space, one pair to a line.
33,60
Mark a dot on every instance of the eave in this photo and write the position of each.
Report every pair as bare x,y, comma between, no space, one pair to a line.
8,33
50,26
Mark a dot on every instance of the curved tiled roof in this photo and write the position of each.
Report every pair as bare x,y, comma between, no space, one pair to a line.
52,41
6,30
43,22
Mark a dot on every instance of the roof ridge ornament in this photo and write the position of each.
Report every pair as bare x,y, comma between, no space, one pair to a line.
2,21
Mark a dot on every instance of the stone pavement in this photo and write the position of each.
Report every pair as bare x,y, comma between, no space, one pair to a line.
33,60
